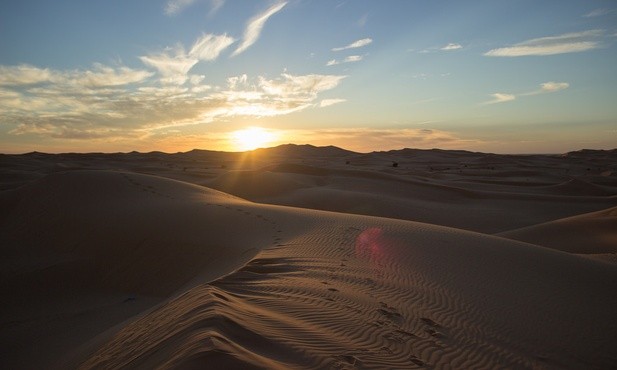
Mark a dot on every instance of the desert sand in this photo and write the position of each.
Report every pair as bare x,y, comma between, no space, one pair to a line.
302,257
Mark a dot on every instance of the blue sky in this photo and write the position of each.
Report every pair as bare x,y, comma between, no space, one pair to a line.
497,76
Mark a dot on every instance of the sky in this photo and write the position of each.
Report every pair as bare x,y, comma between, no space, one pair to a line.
515,76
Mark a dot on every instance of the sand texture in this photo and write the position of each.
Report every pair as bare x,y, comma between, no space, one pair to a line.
299,257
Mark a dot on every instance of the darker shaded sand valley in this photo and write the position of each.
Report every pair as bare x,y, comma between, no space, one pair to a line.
308,257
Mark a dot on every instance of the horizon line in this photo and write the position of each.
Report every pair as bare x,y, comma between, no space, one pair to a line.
303,145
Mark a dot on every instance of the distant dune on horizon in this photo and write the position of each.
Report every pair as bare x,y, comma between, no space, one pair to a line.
325,149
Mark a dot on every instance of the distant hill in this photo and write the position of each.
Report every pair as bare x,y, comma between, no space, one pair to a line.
302,150
305,150
592,153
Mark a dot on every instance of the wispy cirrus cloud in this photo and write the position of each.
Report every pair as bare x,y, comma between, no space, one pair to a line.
235,81
451,46
23,75
434,49
354,45
329,102
173,7
549,87
208,47
175,63
554,86
598,13
173,67
176,6
545,88
255,25
349,59
500,98
300,91
362,21
99,76
574,42
105,76
216,6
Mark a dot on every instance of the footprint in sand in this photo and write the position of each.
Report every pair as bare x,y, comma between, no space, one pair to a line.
433,333
390,313
346,362
430,322
416,361
433,326
399,336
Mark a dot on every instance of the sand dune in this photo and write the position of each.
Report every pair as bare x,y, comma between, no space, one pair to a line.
115,269
591,233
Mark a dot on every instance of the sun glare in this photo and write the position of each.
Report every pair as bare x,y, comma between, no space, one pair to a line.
252,138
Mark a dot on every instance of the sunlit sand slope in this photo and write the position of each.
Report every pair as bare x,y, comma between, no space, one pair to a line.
590,233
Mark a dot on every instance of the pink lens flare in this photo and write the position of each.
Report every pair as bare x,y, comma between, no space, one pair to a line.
370,244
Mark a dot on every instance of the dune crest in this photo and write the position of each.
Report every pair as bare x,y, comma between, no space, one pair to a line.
590,233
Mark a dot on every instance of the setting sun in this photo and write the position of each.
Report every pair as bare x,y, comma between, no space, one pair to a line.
252,138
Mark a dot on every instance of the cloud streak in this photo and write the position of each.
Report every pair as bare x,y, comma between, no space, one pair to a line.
554,86
575,42
355,44
176,6
349,59
173,68
500,98
435,49
208,47
451,46
99,76
174,65
254,27
548,87
23,75
598,13
329,102
545,88
216,6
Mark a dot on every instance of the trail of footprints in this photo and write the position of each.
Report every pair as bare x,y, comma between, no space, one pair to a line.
398,336
398,341
276,231
431,332
145,188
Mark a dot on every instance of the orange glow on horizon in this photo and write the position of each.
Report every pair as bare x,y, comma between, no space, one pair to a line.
252,138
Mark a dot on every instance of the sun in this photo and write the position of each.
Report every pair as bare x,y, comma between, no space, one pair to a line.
252,138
